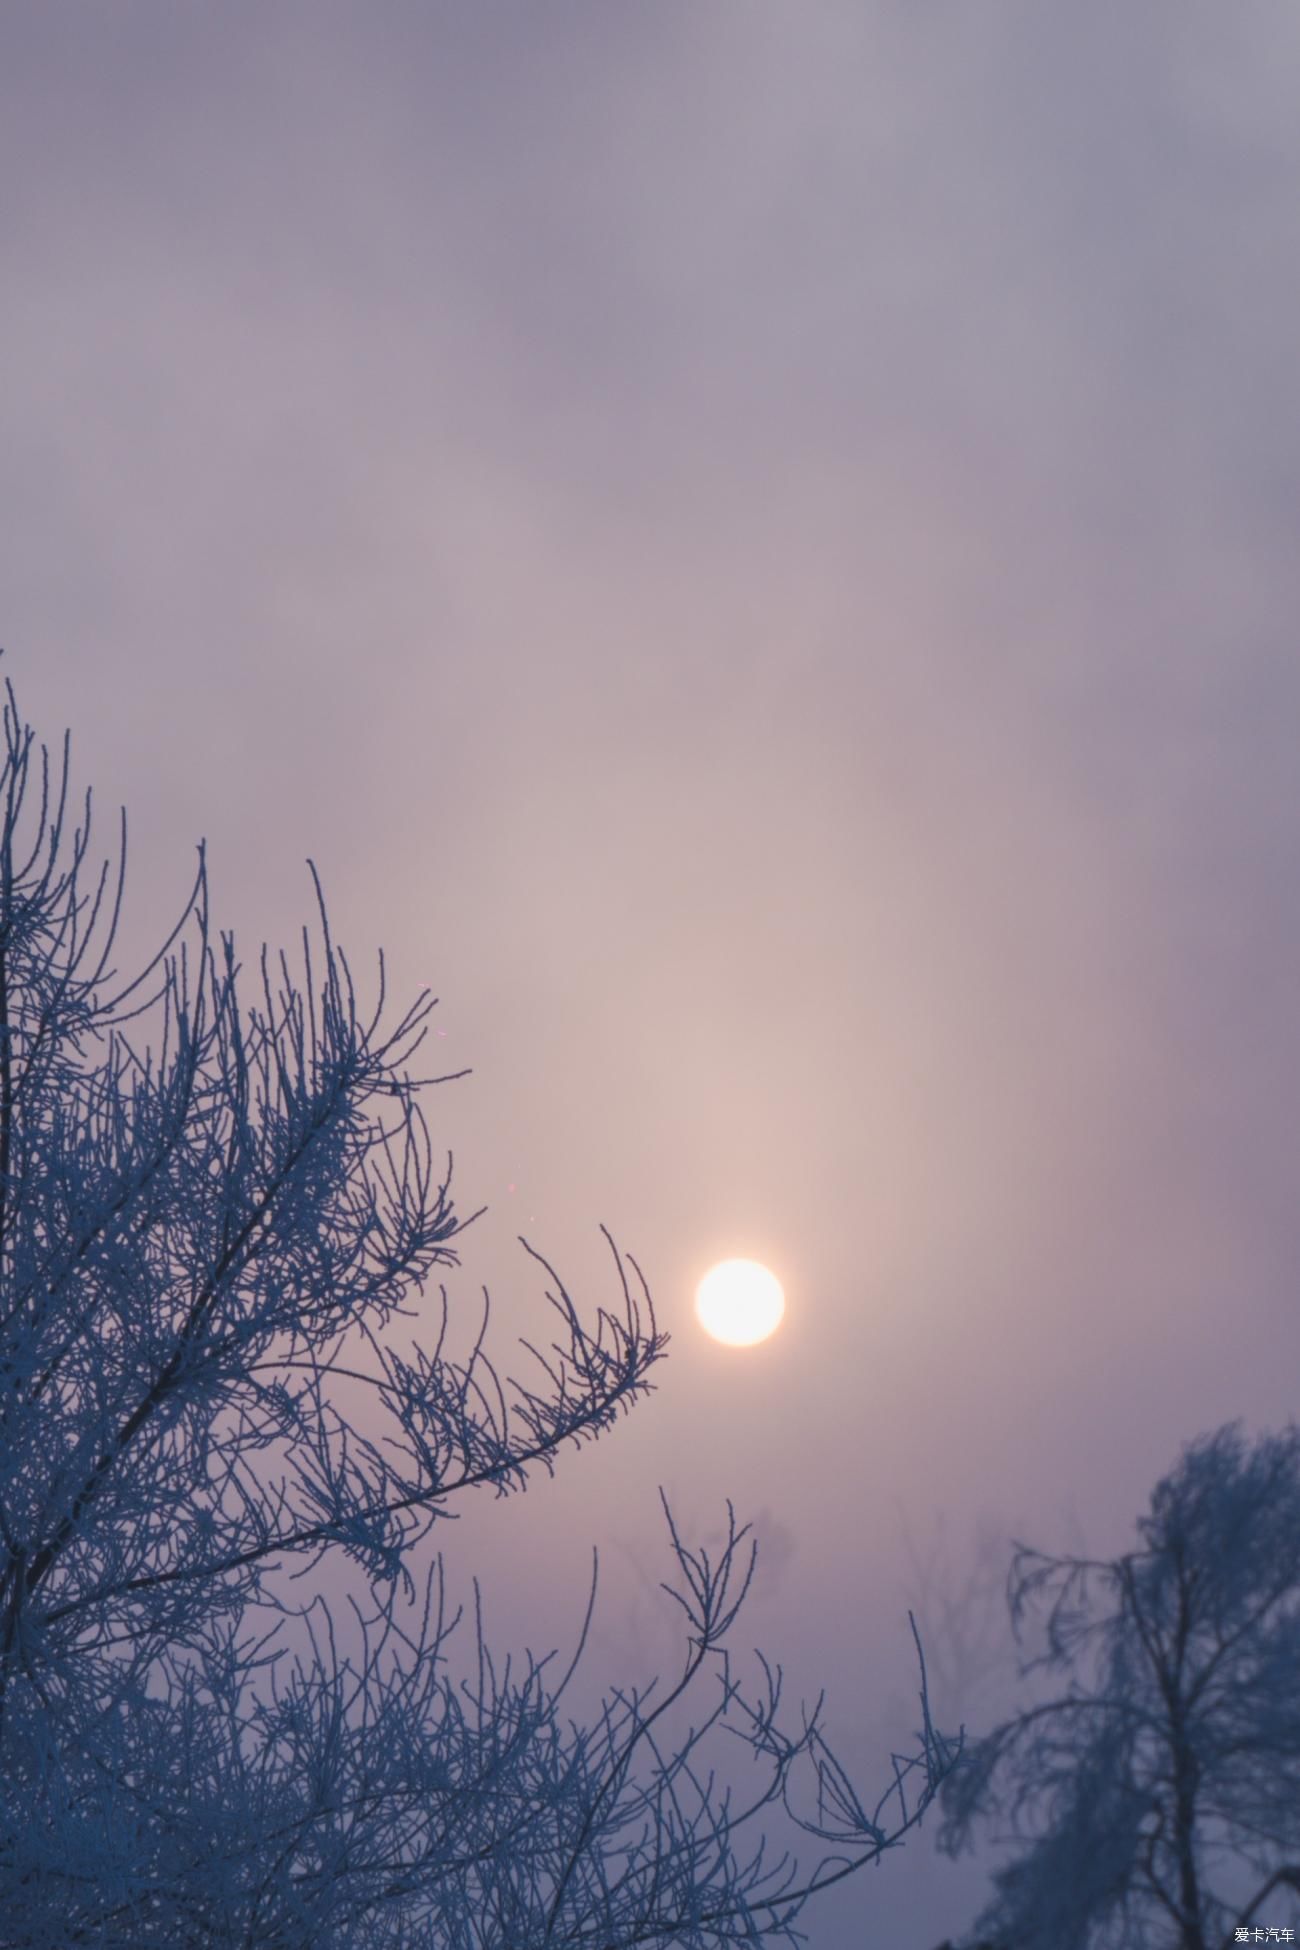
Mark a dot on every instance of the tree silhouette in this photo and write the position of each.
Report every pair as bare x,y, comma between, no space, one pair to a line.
1163,1786
961,1617
205,1258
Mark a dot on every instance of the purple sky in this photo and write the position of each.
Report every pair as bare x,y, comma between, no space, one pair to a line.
755,546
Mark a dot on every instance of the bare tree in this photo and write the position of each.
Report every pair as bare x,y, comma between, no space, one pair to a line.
1159,1794
961,1616
204,1257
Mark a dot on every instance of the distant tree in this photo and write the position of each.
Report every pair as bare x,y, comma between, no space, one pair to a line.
204,1255
1170,1766
961,1617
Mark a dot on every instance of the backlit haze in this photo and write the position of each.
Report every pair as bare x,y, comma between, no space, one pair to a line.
755,547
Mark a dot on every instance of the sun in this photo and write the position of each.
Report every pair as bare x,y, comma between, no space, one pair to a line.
739,1302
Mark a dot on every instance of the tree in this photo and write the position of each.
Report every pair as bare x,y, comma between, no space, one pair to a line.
961,1621
1159,1794
206,1259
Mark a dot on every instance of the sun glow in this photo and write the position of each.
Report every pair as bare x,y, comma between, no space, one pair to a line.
739,1302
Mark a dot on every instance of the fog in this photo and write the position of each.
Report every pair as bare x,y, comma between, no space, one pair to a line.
754,547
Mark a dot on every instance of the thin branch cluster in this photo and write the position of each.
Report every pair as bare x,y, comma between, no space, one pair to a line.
203,1247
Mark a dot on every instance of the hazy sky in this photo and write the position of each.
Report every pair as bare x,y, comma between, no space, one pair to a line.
756,547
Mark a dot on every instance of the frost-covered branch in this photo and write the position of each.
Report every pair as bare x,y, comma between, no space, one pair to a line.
219,1364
